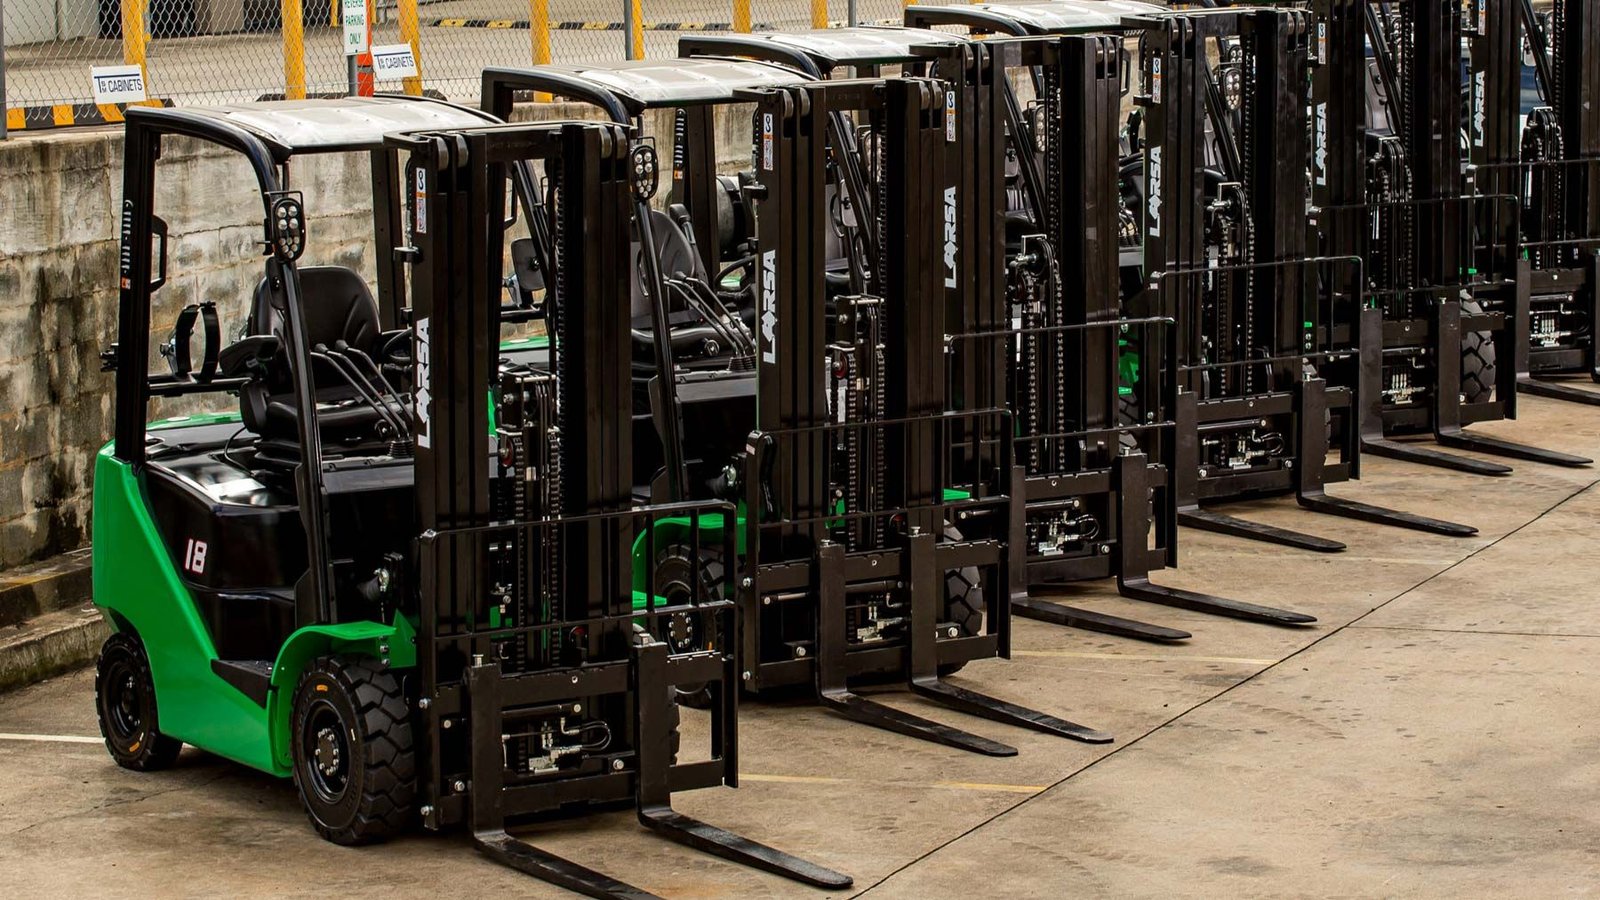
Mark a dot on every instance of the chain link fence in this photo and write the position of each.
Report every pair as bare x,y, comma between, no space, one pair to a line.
223,51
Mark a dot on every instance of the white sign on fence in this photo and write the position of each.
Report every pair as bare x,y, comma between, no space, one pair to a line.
354,15
117,84
392,61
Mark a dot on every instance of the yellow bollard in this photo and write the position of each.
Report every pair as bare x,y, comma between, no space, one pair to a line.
135,39
541,42
819,13
411,33
637,38
294,50
741,16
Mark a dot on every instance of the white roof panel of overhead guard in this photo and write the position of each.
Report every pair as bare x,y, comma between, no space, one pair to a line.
342,123
1072,16
660,82
861,44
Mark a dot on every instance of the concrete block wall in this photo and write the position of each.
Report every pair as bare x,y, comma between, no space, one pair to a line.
59,197
58,299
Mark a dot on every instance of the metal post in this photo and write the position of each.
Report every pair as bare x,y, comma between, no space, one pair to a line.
819,13
294,50
3,108
851,15
633,22
411,33
741,16
541,41
134,36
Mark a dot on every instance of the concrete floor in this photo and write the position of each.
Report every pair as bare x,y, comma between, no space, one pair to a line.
1433,735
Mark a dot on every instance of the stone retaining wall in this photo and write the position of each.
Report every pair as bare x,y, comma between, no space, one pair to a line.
59,193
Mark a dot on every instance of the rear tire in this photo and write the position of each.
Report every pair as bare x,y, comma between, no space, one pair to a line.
1477,359
125,699
354,763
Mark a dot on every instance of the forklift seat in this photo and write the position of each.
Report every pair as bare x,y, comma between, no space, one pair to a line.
680,261
338,306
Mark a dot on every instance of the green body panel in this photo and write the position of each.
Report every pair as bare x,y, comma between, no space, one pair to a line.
532,342
676,529
210,418
136,586
395,643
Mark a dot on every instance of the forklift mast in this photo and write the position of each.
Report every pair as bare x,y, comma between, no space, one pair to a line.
863,514
1421,229
543,681
1090,378
1546,158
1269,348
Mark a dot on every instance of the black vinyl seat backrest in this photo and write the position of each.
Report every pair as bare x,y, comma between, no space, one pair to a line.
677,257
338,306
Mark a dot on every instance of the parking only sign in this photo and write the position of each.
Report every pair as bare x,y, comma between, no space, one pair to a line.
354,14
391,61
117,84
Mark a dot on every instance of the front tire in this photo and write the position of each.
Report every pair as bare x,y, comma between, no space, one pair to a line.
354,763
125,699
1477,358
676,581
963,601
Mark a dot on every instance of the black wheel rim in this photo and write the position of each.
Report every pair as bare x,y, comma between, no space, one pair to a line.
325,748
674,584
124,704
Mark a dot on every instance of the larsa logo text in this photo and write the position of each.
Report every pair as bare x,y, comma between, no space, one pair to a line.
769,303
1153,202
950,237
1480,116
424,399
1319,156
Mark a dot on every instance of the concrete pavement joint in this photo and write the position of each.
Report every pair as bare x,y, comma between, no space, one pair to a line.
1487,632
1245,680
1136,657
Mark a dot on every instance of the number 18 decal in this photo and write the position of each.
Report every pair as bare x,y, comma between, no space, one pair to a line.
194,557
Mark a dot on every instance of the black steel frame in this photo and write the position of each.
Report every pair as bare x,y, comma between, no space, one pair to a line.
1422,263
1550,163
978,303
1264,324
1080,457
560,567
790,433
806,558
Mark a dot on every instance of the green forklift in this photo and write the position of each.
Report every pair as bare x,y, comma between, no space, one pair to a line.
397,567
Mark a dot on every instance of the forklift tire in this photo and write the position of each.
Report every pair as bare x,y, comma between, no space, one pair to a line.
1477,359
354,764
125,698
674,581
963,600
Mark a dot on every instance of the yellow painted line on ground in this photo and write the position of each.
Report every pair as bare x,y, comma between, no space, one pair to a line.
792,779
51,738
1077,654
981,786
